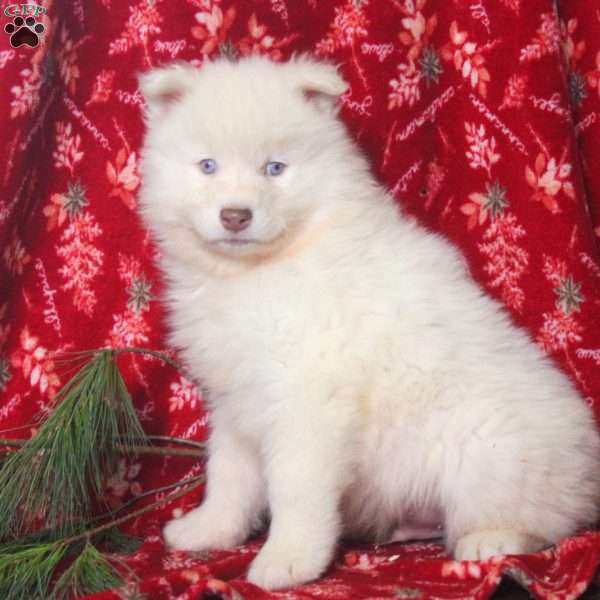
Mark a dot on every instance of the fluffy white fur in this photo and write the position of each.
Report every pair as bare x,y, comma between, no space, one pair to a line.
360,382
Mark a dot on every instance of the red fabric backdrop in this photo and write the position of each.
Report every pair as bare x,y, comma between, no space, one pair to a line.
482,116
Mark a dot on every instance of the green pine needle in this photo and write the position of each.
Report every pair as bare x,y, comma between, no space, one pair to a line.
89,573
118,542
26,572
42,537
55,479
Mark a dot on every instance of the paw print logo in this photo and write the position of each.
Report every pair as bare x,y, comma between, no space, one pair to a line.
24,31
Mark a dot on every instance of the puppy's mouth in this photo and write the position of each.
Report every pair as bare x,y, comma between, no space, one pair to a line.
242,246
245,241
237,242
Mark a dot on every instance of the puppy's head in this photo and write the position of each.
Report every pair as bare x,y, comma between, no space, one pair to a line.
241,159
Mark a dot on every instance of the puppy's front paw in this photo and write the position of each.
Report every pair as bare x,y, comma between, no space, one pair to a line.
280,566
481,545
200,530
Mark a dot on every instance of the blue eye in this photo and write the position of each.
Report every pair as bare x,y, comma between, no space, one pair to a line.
274,168
208,166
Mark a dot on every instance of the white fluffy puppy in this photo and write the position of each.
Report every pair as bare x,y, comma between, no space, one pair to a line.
360,382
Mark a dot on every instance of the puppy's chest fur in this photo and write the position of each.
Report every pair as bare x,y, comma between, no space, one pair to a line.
250,332
291,325
269,341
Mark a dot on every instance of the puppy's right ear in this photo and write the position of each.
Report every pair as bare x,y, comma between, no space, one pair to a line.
163,86
320,82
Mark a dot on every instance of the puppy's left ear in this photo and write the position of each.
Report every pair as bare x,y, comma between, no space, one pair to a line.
163,86
320,82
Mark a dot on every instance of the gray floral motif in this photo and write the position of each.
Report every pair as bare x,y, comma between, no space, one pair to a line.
75,198
5,373
431,67
569,295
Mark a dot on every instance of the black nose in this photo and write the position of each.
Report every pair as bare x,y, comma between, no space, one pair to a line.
235,219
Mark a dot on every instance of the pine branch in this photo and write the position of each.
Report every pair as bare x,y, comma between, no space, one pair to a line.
51,483
59,473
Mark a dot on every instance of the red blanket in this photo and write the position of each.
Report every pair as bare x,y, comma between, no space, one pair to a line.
482,116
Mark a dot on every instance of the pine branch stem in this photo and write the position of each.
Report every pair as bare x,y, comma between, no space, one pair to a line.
191,484
137,497
138,449
174,440
49,483
68,356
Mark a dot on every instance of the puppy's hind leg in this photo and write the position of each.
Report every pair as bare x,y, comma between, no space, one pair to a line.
498,502
484,544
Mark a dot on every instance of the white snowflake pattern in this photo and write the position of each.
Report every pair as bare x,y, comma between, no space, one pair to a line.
83,260
507,260
559,331
554,269
130,327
